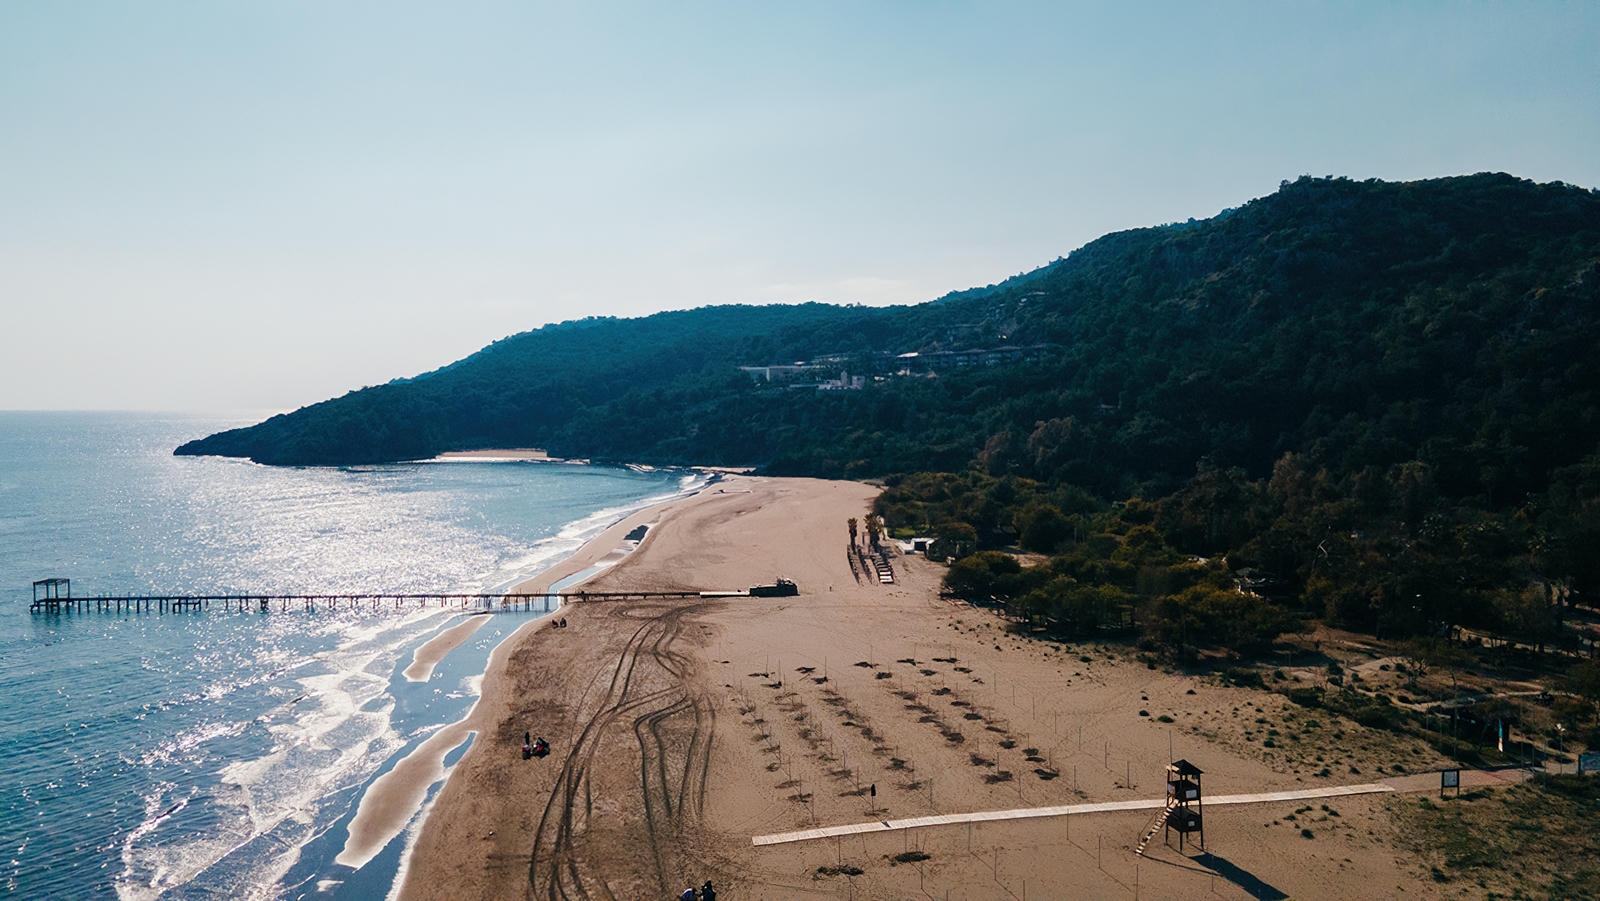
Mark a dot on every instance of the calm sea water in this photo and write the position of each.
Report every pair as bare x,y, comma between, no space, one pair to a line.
215,754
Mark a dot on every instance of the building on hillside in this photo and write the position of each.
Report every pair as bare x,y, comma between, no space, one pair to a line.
780,372
945,360
845,382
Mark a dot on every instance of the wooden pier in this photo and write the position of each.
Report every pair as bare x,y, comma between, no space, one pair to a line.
57,597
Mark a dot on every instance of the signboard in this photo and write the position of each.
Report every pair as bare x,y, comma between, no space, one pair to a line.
1588,763
1449,779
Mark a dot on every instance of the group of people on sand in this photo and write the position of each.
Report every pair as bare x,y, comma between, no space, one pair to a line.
707,893
533,747
560,623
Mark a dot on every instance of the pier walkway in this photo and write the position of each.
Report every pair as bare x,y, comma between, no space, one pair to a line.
57,598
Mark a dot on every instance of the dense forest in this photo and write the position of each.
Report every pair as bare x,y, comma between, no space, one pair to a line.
1371,402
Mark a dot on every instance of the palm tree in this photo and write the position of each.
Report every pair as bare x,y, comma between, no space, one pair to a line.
874,528
851,522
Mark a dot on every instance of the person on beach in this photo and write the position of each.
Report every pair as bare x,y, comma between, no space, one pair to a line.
707,893
688,894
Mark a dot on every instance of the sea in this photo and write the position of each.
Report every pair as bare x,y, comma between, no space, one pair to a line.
211,754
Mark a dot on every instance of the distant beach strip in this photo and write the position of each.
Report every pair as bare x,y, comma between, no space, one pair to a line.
492,455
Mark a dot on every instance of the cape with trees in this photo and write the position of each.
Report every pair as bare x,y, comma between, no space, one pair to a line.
1373,402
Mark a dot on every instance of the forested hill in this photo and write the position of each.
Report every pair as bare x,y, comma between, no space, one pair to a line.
1450,321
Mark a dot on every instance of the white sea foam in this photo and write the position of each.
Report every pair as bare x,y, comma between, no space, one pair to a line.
569,539
573,535
333,738
339,728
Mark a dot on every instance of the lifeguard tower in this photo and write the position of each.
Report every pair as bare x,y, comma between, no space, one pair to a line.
1183,808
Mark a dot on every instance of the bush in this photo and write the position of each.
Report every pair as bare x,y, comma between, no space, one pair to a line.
1242,677
983,576
1305,697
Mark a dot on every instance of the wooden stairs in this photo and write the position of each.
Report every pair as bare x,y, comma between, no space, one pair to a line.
1156,825
876,563
885,570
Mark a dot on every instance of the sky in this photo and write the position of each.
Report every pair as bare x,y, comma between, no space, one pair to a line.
241,208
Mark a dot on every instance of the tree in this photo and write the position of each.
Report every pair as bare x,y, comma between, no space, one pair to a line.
952,539
1583,679
1531,614
1210,615
1428,652
874,528
1077,609
1041,527
851,522
983,577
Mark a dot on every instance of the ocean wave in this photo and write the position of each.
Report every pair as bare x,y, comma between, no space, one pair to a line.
262,810
210,754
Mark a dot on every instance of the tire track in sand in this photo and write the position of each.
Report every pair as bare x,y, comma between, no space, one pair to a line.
671,804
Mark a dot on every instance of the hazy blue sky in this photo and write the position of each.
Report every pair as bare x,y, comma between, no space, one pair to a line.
238,207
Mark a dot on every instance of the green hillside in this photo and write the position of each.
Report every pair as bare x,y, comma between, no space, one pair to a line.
1369,394
1370,321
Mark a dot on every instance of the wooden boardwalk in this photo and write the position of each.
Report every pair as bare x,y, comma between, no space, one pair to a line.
1063,810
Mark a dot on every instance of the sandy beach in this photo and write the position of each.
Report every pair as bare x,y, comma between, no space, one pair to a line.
691,739
513,454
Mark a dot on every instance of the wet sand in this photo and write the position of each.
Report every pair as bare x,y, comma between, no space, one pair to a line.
426,657
393,799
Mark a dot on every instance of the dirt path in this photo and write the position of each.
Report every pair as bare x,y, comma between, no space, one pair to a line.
1062,810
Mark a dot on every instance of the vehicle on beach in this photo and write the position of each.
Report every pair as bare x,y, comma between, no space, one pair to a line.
783,588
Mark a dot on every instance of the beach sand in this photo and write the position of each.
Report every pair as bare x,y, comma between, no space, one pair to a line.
683,730
496,455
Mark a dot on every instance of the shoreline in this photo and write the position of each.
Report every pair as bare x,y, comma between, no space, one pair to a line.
683,731
394,799
432,652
